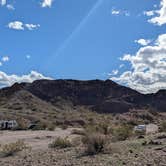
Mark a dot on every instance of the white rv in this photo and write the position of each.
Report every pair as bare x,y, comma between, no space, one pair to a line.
8,124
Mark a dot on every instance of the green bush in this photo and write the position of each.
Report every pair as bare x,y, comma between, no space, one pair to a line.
60,143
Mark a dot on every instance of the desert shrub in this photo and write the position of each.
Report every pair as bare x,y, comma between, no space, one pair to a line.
102,128
163,126
51,127
78,132
39,125
12,148
60,143
95,143
22,124
122,133
105,128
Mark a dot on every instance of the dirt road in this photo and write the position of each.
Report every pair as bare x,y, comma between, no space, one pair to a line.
36,139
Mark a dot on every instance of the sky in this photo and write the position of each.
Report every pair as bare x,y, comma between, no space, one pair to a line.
121,40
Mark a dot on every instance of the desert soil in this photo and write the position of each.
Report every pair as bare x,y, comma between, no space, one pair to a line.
129,153
37,140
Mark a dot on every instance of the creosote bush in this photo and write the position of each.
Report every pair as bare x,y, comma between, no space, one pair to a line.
12,148
95,143
60,143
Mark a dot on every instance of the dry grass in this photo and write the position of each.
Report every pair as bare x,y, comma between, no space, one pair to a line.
95,143
12,148
60,143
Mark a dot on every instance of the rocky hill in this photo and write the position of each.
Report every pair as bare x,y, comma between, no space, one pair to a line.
97,95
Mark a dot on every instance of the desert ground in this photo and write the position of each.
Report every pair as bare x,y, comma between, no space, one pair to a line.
149,150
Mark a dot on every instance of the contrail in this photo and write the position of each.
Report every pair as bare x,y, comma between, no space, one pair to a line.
78,28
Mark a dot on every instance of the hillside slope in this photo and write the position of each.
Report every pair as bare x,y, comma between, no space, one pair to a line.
100,96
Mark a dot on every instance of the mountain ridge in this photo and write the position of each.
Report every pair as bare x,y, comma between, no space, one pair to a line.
103,96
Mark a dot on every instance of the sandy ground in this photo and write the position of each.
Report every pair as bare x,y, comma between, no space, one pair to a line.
129,152
38,140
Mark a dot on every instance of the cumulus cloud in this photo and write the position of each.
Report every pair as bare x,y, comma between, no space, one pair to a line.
160,15
8,80
18,25
148,68
2,2
47,3
143,42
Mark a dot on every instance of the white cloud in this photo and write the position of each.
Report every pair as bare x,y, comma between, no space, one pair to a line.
148,72
160,17
32,26
114,72
119,12
121,66
2,2
47,3
28,56
149,13
10,7
143,42
8,80
1,64
5,58
18,25
115,12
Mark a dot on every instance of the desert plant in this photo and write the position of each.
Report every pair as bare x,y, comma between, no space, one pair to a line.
163,126
95,143
12,148
122,133
51,127
60,143
78,132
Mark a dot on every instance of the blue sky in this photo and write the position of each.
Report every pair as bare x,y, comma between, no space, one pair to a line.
81,39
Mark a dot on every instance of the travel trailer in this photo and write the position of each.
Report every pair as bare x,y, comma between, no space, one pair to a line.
8,124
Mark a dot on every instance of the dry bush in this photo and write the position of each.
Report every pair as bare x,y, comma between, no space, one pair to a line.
122,133
163,126
12,148
102,128
60,143
95,143
51,127
78,132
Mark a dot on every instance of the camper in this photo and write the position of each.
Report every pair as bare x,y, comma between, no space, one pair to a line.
140,128
8,124
147,129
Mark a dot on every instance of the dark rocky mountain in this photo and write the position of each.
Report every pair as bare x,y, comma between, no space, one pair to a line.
97,95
